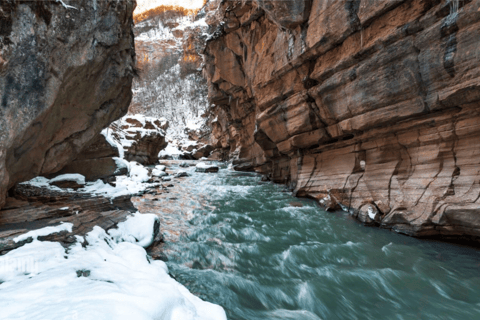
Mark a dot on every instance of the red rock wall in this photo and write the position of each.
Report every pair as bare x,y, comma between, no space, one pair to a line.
371,104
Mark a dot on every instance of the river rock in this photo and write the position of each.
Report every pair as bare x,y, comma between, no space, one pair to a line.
180,174
376,101
206,168
65,74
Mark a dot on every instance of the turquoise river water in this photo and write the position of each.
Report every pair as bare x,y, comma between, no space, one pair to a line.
260,253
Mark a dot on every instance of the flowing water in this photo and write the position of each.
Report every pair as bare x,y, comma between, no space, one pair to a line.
262,254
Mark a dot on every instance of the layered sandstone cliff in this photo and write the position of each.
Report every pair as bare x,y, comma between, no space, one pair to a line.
65,74
374,105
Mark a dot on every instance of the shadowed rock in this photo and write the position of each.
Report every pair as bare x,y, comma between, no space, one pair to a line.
65,74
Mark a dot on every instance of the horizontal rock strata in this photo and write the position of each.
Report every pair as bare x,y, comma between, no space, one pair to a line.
371,105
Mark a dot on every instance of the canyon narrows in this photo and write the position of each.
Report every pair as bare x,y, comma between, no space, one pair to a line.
214,159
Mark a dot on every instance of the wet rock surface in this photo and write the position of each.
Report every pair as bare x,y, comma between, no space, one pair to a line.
53,103
376,103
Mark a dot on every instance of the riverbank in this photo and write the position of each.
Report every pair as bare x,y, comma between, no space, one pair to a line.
89,254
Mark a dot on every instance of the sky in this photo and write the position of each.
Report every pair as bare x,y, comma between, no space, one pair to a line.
145,5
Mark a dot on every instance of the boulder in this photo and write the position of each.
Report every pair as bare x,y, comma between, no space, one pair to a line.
141,138
73,181
181,174
203,151
65,74
206,168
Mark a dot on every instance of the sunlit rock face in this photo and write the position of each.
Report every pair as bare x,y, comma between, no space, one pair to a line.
371,105
169,40
65,74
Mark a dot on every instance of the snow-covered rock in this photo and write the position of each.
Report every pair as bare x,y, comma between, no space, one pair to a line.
138,138
159,171
69,180
203,167
181,174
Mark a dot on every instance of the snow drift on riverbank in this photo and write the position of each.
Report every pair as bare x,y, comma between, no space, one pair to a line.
133,183
104,279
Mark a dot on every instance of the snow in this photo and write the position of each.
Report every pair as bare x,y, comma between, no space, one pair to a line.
106,279
371,213
133,183
44,231
138,172
78,178
136,229
41,182
159,171
171,151
123,139
107,133
203,165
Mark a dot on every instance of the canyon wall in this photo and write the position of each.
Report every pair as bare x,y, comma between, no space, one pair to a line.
65,74
371,106
170,85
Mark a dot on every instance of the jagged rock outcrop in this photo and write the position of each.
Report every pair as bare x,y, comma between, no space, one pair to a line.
374,105
65,74
140,138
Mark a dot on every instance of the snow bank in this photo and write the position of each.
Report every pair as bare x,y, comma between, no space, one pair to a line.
138,172
106,279
45,231
133,183
171,150
138,229
78,178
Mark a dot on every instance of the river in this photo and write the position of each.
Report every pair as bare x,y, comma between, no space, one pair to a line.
261,253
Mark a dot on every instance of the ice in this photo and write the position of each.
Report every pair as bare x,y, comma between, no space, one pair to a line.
104,279
78,178
45,231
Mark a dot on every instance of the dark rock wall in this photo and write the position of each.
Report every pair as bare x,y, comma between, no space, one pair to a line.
371,105
65,74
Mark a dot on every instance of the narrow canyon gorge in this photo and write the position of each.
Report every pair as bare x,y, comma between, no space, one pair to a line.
214,159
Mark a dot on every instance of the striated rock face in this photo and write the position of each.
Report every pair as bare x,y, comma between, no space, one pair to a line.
373,106
65,74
